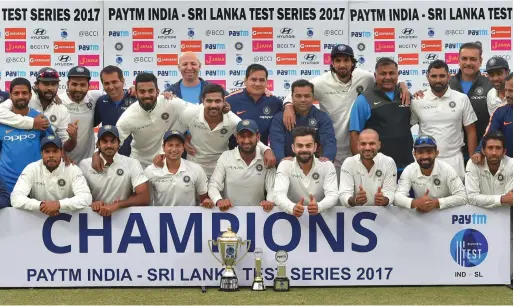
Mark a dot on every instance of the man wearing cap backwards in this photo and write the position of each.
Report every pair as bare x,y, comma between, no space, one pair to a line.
43,94
19,147
434,182
441,113
179,181
240,173
48,185
122,184
336,91
304,181
497,69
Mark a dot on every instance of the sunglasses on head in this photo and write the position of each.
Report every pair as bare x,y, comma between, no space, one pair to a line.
49,75
425,140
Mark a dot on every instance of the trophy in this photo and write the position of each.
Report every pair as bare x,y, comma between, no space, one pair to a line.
228,244
281,282
258,281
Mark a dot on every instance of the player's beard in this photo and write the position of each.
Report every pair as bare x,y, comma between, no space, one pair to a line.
304,157
77,96
438,87
51,164
248,149
148,104
20,104
47,96
426,163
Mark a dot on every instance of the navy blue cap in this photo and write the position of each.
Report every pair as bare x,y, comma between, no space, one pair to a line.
173,133
341,49
248,125
108,129
495,63
79,72
51,139
425,142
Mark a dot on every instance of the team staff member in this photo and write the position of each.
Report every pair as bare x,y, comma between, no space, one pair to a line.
5,199
497,69
490,185
306,115
336,91
368,178
4,95
113,188
380,108
48,185
179,181
240,173
304,180
441,113
19,147
434,182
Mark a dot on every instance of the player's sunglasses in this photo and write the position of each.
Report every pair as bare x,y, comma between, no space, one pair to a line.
49,75
422,140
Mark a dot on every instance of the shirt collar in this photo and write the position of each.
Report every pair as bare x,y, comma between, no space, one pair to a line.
257,157
115,158
435,172
201,118
431,96
375,159
56,172
500,168
181,168
314,164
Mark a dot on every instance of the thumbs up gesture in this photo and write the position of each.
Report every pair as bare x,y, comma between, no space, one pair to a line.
313,206
380,200
298,209
73,129
360,197
421,204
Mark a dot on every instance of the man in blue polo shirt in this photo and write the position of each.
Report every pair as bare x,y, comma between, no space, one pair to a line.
18,147
302,93
253,103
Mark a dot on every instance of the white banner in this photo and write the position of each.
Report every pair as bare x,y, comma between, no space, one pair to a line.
168,247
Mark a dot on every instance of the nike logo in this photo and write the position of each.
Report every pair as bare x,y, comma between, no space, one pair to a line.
241,112
375,103
8,131
507,123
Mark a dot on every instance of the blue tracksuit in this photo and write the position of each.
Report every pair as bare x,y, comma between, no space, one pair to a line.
282,139
4,95
175,89
5,197
501,120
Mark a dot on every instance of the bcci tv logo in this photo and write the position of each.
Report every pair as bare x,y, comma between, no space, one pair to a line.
469,248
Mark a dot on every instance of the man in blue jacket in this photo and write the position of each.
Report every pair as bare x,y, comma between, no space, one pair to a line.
5,199
302,93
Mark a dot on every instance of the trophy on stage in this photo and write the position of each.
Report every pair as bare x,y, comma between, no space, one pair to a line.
281,282
258,281
228,244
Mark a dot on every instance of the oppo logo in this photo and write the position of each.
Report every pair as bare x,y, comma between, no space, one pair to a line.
19,137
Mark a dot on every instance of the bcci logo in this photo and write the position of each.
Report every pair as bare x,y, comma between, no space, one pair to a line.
119,172
360,89
89,105
315,176
266,110
165,116
187,179
469,248
224,131
53,118
452,104
61,182
259,168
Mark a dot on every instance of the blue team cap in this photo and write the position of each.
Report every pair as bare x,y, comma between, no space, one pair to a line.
173,133
248,125
51,139
425,142
108,129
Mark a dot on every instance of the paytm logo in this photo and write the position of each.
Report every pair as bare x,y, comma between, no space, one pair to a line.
215,46
478,32
119,33
12,73
286,72
469,219
360,34
167,73
215,72
408,72
238,33
89,47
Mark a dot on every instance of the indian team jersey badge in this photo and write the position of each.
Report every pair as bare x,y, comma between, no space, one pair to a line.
313,122
259,168
53,118
165,116
479,91
119,172
186,179
437,182
61,182
500,177
89,105
378,173
266,110
452,104
223,131
315,176
360,89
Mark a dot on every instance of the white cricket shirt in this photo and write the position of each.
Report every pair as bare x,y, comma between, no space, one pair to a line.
179,189
485,189
443,184
65,184
291,184
494,101
117,182
244,185
355,174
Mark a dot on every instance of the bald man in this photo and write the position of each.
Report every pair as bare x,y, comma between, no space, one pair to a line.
189,88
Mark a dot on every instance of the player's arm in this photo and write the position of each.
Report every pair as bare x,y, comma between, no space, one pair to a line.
202,189
281,187
20,194
347,184
141,197
389,184
277,136
495,123
269,182
468,121
217,182
327,136
7,117
359,115
149,175
82,195
329,189
458,195
401,196
69,140
472,184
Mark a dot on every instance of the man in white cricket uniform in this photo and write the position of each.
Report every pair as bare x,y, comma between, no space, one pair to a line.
304,180
240,173
497,69
490,185
122,183
435,183
210,129
48,185
368,178
336,91
441,113
180,181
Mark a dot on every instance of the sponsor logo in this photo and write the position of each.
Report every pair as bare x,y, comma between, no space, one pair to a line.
214,32
505,56
478,32
166,47
360,34
384,46
286,46
262,33
310,72
142,33
88,47
469,219
384,33
94,85
237,72
501,44
452,46
15,59
287,59
408,72
89,60
501,32
453,32
44,60
64,33
214,46
39,33
64,61
167,73
191,32
215,72
310,59
241,33
286,33
167,59
451,58
431,45
15,47
262,45
431,32
119,33
361,59
408,33
15,33
309,32
39,47
143,59
469,248
239,59
327,59
334,32
310,45
12,73
238,46
167,33
142,46
430,57
408,59
191,45
262,58
286,72
88,33
64,47
215,59
407,46
270,86
19,137
222,83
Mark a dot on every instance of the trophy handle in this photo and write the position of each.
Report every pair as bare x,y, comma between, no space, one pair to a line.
248,246
213,242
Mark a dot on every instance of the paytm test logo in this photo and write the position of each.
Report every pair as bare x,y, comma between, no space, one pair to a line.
469,248
469,219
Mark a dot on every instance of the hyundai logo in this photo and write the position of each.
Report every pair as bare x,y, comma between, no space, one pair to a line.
310,57
407,31
64,58
167,31
238,83
431,56
286,31
39,32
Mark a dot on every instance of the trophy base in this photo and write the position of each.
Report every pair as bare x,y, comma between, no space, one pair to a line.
281,284
258,285
229,284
